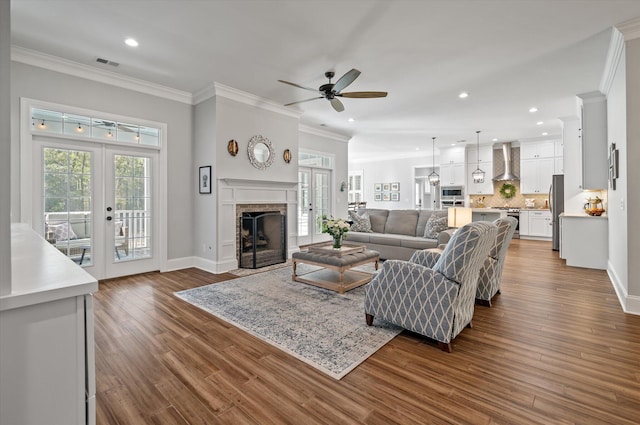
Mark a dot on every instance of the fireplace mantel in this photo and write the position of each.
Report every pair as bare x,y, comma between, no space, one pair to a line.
258,183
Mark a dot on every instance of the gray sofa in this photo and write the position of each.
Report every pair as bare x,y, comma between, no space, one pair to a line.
397,234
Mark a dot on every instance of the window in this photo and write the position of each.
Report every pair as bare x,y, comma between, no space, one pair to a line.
355,186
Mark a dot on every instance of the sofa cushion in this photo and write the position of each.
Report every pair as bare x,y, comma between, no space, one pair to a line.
389,239
377,217
418,243
358,237
424,217
361,223
435,225
402,222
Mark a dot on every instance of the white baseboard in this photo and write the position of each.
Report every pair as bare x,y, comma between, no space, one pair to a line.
179,264
629,303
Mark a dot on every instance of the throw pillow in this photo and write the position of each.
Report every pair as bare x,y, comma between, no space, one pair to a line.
435,225
361,223
62,232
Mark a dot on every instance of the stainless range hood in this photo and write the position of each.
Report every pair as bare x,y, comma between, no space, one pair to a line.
508,173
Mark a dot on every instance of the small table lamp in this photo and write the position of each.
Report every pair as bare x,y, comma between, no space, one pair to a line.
459,216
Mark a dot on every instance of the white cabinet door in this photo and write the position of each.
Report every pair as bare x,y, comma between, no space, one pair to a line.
452,175
531,150
485,188
558,166
540,224
453,155
559,148
486,155
535,175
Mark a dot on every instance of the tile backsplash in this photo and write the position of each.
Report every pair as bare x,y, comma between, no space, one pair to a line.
497,200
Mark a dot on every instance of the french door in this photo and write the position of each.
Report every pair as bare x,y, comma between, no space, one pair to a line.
314,204
96,204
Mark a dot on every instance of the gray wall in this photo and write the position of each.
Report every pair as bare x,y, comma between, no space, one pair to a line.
41,84
5,148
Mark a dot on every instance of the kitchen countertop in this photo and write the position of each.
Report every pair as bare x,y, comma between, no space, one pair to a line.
41,273
585,215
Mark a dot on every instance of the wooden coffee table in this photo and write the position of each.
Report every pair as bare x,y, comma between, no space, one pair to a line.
336,273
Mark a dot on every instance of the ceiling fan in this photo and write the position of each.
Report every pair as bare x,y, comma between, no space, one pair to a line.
331,91
124,127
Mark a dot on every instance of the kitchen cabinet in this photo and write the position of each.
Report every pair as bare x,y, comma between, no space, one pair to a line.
536,224
486,214
46,337
453,155
593,141
483,159
584,241
452,175
533,150
558,165
535,175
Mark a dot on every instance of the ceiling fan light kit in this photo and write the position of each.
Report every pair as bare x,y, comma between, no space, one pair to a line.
331,91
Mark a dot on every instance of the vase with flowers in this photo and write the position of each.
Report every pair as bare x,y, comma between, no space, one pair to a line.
337,228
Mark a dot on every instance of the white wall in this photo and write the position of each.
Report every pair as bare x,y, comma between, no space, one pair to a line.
618,217
204,205
632,172
400,170
5,148
41,84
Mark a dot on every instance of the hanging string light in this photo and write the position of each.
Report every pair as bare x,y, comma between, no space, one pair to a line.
478,174
434,178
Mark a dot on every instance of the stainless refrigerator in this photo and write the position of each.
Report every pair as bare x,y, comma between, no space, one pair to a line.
556,203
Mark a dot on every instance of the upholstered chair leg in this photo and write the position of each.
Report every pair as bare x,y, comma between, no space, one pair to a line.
470,325
369,319
445,346
498,293
486,303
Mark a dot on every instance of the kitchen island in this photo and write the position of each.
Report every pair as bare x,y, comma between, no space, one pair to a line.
487,214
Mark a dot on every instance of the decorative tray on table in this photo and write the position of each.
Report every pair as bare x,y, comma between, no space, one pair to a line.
328,249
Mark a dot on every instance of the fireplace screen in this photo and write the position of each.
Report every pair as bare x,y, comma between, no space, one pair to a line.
262,239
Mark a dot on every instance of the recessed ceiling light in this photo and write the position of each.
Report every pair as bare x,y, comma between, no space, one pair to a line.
417,149
540,123
495,139
351,120
463,95
545,134
453,144
131,42
533,109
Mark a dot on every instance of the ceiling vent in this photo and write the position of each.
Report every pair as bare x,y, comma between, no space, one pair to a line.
107,62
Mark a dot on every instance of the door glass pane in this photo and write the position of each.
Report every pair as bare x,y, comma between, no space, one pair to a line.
67,201
321,199
133,215
303,203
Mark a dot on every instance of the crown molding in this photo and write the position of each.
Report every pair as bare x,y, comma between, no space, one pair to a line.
630,29
616,49
64,66
323,133
220,90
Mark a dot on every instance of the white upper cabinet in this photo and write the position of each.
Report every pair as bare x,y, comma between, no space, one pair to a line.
452,175
535,175
593,140
486,155
454,155
532,150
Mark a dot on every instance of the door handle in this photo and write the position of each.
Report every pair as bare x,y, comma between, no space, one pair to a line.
109,218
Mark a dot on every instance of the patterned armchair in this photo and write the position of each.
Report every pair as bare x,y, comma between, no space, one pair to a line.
491,271
436,302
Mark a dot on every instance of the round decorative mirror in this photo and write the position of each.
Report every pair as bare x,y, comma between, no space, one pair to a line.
261,153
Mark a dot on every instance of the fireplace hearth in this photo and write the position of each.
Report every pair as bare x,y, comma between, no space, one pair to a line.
261,238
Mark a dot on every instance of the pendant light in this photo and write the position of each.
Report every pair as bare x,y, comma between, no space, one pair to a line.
434,178
478,174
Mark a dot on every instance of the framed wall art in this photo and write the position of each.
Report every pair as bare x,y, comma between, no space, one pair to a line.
204,179
377,197
377,187
386,187
395,187
395,196
386,197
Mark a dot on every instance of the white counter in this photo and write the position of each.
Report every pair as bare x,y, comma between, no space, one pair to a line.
41,273
584,240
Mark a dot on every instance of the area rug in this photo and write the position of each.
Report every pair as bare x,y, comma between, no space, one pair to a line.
320,327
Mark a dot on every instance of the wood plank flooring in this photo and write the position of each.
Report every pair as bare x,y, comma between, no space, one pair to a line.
555,348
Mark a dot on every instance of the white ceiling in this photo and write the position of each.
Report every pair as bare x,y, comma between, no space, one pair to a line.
508,54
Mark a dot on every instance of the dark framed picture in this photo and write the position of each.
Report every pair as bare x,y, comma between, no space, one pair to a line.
395,196
377,187
377,197
205,179
395,187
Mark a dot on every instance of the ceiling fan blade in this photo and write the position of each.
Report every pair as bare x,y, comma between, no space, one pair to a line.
306,100
363,94
345,80
337,105
299,86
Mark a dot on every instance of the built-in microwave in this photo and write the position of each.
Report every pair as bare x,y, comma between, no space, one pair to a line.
450,192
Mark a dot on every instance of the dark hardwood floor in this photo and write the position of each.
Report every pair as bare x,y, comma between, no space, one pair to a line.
555,348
